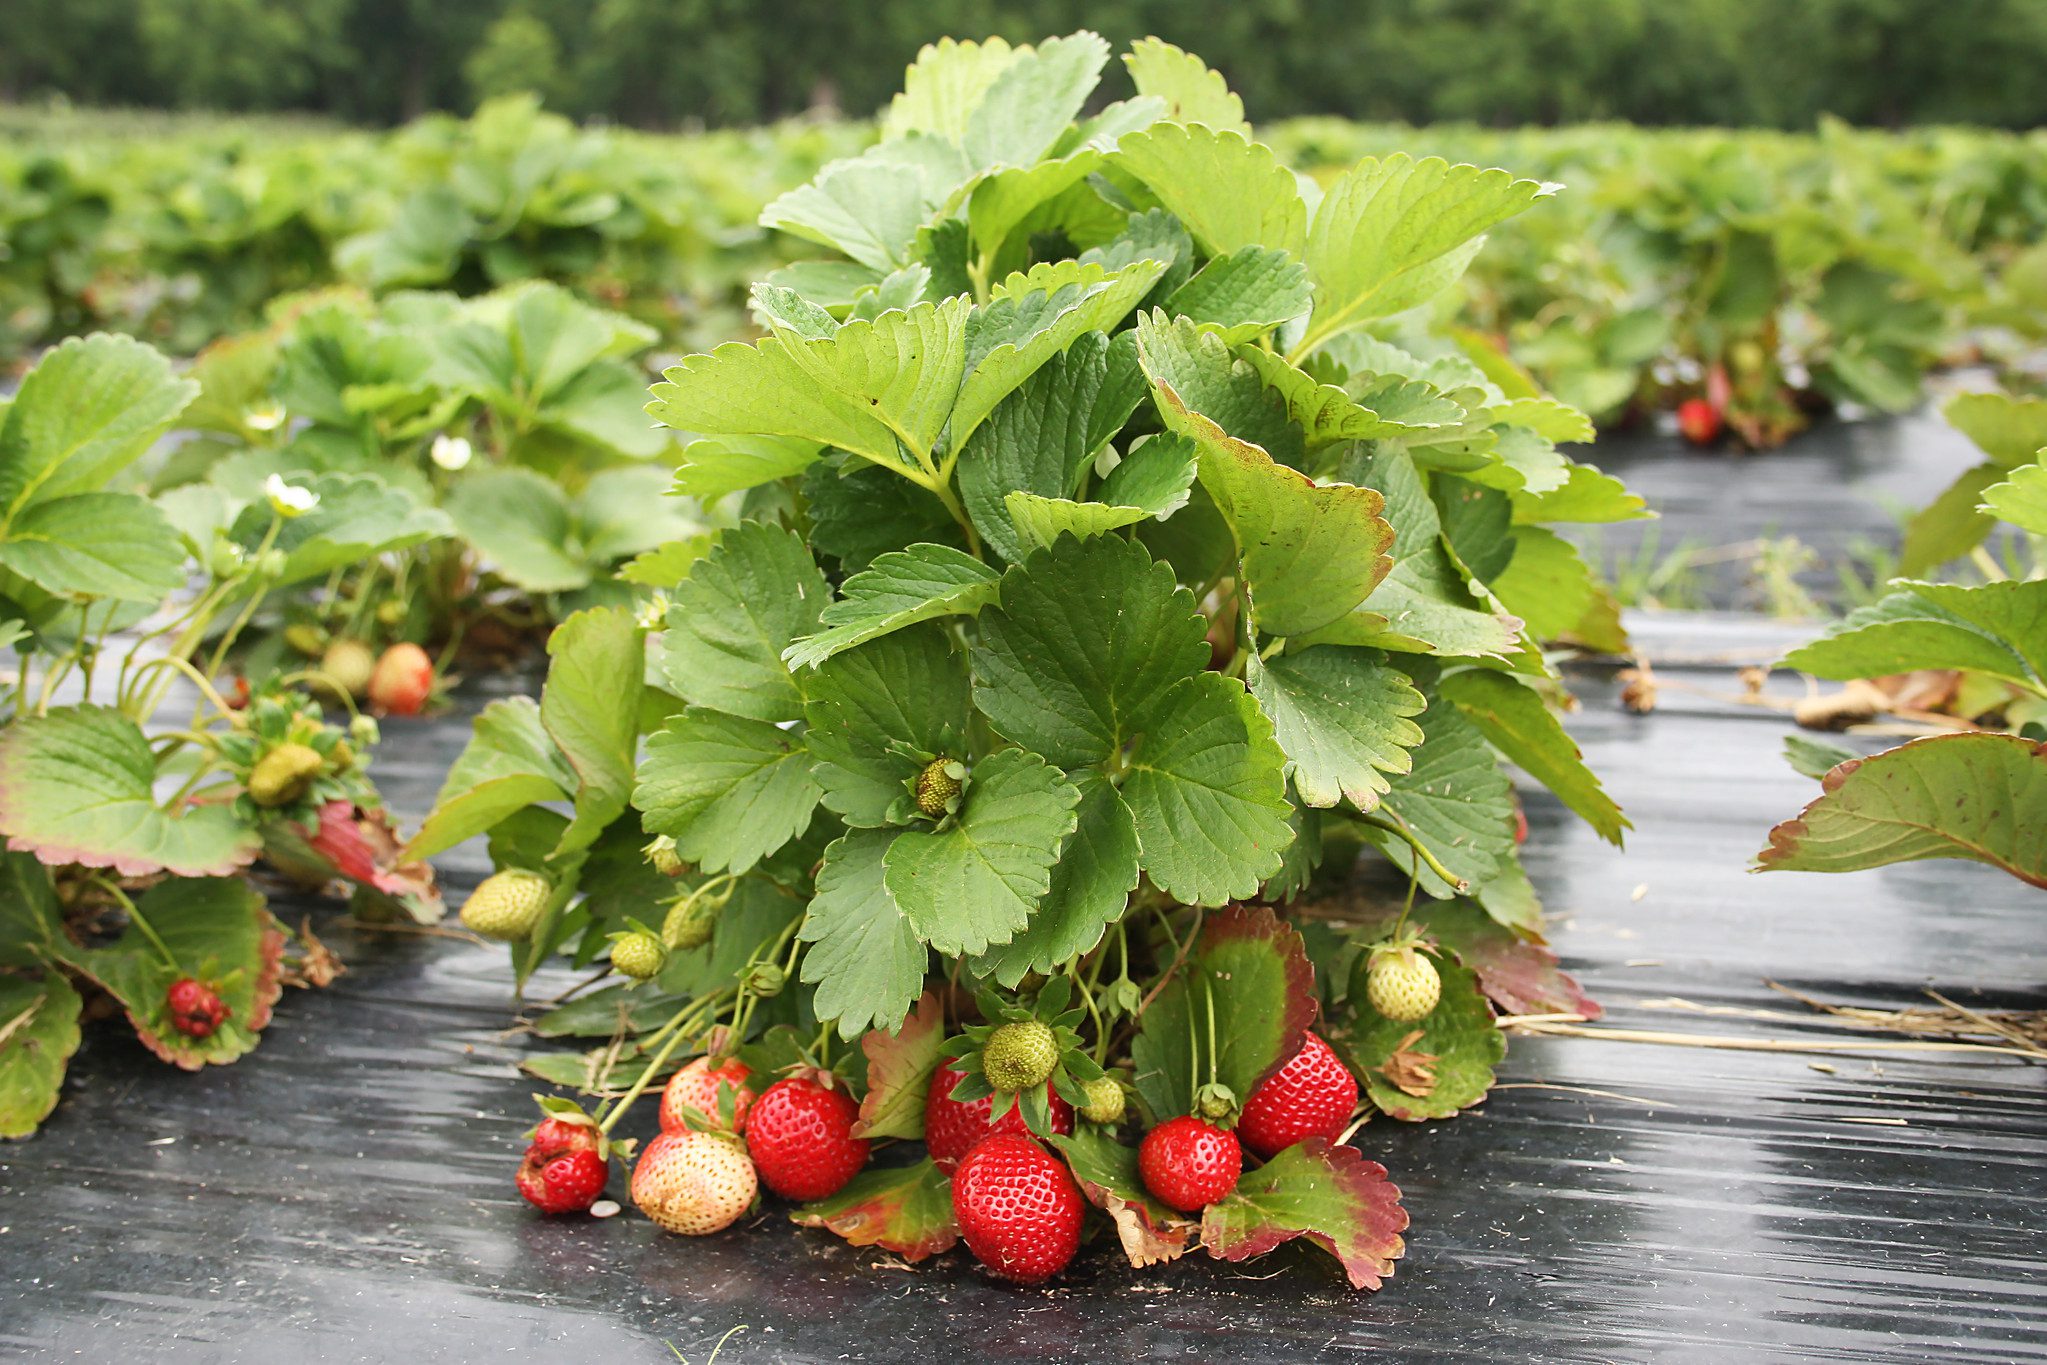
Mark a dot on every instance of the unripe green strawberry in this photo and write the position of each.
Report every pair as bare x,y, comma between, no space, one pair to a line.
307,639
349,664
282,776
689,924
1106,1102
1402,984
1217,1103
1020,1055
764,980
939,786
507,904
638,956
663,858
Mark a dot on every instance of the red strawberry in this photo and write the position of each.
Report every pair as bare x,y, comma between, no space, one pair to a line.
696,1086
1018,1208
1698,421
195,1009
1311,1096
403,680
952,1127
800,1136
556,1135
1189,1163
563,1181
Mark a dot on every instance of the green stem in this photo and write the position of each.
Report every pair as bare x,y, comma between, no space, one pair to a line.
1400,829
141,922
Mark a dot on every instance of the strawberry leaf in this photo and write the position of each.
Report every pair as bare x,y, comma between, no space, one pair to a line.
1330,1195
1982,797
898,589
1455,800
1343,716
2021,499
1091,885
743,604
1253,969
1193,93
878,712
355,844
590,709
865,957
899,1067
77,785
1513,717
509,764
1458,1047
38,1034
1151,1233
729,791
1995,628
1230,192
905,1209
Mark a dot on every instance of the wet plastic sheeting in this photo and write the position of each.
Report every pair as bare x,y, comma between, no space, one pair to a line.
345,1194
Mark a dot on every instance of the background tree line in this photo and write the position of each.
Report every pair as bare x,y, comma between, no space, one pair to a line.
663,63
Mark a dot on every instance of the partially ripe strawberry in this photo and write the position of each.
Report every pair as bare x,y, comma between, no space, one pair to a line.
1698,421
552,1135
696,1087
694,1183
403,680
563,1182
952,1127
1189,1163
196,1010
1313,1095
506,905
800,1136
1018,1209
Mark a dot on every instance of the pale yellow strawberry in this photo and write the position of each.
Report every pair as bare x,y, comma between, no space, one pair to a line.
1402,983
694,1183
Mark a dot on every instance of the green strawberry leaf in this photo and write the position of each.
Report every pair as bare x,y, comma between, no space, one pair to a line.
717,465
2021,499
1207,787
1330,1195
38,1034
1033,99
1450,1063
1547,583
1244,294
903,1209
867,207
218,930
1193,93
975,882
1343,716
865,958
944,86
1513,717
2011,431
1151,1233
1455,800
1080,650
590,708
508,765
1091,885
91,545
1996,628
1229,192
520,522
859,512
1382,408
86,411
31,920
1251,970
900,589
899,1068
878,712
1981,796
729,791
1586,495
1152,482
743,604
357,517
78,785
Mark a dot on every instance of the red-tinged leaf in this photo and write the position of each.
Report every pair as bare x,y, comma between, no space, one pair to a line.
219,931
1518,974
899,1068
1254,969
1151,1233
1330,1195
1459,1040
358,846
904,1209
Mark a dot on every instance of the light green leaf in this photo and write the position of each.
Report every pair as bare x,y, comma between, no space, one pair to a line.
508,764
1982,797
1546,417
1587,495
1390,408
96,545
1997,628
38,1034
998,202
728,790
1207,787
1091,885
904,691
1512,716
2011,431
2021,499
1030,103
1455,800
357,516
1952,524
921,583
1392,233
867,207
975,882
1041,521
519,521
590,708
623,511
1153,481
81,416
944,86
717,465
77,785
1343,716
756,593
1547,583
1193,93
865,958
1229,192
1244,294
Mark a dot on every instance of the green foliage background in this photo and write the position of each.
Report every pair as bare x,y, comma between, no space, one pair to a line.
1767,63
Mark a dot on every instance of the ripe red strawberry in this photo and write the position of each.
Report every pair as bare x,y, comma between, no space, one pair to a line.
1311,1096
952,1127
563,1181
1698,421
555,1135
195,1009
696,1086
1189,1163
800,1136
403,680
694,1183
1018,1209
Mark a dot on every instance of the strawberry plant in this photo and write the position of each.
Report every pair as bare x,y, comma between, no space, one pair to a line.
128,830
1122,551
1980,793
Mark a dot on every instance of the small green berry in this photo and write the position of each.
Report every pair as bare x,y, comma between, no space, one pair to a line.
939,786
638,956
1020,1056
689,923
1106,1102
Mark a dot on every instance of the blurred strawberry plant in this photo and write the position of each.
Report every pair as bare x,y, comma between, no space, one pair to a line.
129,833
